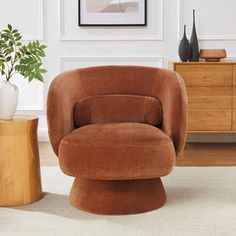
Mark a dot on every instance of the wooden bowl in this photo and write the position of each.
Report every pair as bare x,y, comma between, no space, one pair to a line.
213,55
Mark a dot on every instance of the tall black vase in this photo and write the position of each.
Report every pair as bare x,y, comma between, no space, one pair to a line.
184,48
194,42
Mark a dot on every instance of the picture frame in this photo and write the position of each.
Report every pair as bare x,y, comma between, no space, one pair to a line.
112,12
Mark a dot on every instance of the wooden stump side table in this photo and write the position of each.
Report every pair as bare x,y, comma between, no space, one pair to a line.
20,181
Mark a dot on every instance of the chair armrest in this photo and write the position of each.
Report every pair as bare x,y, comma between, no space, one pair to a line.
61,100
170,89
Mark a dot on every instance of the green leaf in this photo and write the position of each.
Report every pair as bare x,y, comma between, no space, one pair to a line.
31,78
8,58
9,27
39,77
18,54
7,31
5,37
42,71
43,46
18,38
41,53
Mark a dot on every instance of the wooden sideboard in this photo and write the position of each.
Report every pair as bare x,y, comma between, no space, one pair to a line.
211,89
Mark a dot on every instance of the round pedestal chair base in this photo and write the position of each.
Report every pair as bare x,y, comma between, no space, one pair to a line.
117,197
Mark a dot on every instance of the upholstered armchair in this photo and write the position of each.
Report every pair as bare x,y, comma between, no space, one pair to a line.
117,130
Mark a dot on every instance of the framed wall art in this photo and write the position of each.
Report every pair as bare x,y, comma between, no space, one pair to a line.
112,12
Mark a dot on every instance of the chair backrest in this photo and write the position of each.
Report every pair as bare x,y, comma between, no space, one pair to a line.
117,94
108,80
117,108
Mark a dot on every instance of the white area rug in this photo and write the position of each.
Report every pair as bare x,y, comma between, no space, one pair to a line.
201,201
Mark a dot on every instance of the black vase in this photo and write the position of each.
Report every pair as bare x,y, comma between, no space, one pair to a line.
194,42
184,48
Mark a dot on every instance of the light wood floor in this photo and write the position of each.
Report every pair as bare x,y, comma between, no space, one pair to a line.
195,154
208,154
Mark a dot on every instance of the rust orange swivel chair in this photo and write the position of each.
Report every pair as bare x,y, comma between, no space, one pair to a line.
117,130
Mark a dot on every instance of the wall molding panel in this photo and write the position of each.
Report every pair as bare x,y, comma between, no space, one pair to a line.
25,15
33,92
78,61
206,37
37,105
40,35
64,37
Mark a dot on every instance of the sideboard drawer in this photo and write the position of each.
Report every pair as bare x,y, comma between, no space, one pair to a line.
210,97
234,119
209,119
206,75
234,97
234,75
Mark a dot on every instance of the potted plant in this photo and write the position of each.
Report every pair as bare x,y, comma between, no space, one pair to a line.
15,57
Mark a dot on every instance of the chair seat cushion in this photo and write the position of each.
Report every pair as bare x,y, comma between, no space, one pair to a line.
116,151
117,108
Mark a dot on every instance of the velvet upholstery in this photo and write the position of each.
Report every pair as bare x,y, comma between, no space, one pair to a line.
136,196
117,108
117,151
69,87
117,123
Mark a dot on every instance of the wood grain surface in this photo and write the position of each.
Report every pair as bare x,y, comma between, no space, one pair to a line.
19,161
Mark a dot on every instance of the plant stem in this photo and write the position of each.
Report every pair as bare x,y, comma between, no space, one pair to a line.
10,70
6,65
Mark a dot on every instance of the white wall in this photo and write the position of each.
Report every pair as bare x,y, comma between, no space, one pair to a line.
55,23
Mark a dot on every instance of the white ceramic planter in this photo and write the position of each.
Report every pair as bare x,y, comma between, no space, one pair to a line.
8,100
